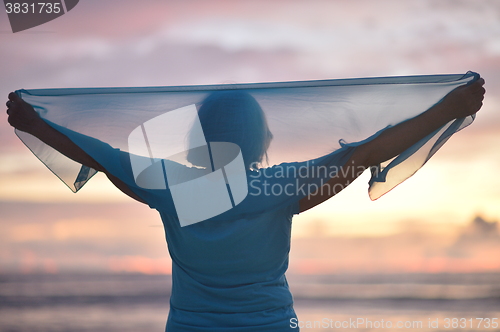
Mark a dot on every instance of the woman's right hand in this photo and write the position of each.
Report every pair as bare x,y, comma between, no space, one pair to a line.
465,100
22,115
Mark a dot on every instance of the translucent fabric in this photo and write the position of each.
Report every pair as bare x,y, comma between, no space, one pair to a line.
306,119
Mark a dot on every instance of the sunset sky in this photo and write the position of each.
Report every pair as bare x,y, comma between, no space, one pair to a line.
104,43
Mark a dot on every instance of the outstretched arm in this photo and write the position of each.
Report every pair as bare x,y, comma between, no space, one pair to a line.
23,117
461,102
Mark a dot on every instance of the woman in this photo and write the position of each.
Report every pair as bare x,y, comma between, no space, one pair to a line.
228,272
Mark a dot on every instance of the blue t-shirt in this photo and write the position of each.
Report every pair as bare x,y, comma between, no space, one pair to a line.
228,272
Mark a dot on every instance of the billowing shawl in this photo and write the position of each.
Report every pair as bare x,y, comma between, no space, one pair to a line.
306,120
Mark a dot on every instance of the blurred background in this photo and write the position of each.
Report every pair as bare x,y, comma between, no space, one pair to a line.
97,261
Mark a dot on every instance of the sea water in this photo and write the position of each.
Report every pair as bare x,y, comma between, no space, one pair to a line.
362,302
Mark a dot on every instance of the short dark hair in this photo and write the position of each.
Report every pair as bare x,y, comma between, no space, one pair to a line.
235,116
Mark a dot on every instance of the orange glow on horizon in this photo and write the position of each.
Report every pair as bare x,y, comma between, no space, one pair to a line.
139,264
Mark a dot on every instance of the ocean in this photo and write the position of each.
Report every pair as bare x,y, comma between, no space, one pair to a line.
356,302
